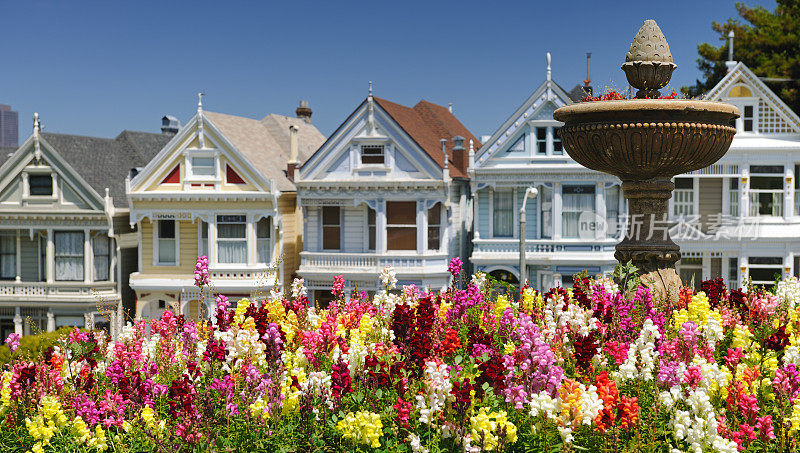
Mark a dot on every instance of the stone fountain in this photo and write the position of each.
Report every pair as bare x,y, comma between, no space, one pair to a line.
645,142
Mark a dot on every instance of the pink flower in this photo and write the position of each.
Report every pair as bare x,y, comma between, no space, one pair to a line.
455,267
201,275
338,286
13,341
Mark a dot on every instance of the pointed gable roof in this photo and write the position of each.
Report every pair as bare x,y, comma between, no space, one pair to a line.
265,143
741,73
427,123
548,91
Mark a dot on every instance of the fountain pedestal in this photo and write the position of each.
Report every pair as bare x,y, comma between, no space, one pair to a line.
645,142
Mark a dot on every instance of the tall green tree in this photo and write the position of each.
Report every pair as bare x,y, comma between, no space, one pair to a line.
768,42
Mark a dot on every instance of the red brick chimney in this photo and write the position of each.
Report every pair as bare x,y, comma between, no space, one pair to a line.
459,154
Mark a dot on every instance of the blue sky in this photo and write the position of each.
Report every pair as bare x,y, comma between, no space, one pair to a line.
96,68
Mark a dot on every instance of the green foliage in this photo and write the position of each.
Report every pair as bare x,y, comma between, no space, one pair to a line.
627,276
768,42
32,345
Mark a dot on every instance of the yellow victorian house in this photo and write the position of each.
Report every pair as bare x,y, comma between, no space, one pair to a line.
222,187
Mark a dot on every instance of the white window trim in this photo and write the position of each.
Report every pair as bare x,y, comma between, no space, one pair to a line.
740,103
92,237
189,176
366,230
419,222
200,223
549,126
514,213
442,227
26,188
177,261
561,205
249,243
388,155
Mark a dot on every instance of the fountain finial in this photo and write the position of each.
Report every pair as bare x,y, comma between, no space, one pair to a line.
648,63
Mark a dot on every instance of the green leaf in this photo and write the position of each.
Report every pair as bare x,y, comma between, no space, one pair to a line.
458,360
378,393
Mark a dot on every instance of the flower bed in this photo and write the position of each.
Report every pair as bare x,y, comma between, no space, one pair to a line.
570,369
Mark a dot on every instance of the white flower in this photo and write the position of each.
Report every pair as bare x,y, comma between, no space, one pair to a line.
388,278
643,352
479,279
416,444
276,294
298,290
788,291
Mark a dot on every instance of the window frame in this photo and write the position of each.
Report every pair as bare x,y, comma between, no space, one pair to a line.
592,193
402,226
100,236
681,206
372,229
510,211
777,267
381,155
268,239
777,193
12,254
438,227
323,226
57,256
157,243
242,220
52,193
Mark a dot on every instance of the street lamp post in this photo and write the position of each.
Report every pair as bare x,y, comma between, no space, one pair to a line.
532,192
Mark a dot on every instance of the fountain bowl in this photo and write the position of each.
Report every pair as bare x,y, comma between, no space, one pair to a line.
641,139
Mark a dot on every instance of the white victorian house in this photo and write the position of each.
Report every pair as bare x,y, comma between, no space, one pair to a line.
571,225
65,244
388,188
740,218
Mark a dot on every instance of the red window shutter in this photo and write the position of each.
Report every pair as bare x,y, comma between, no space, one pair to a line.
174,177
232,177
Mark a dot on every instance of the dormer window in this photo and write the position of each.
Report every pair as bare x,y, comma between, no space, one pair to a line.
558,149
541,141
372,154
40,185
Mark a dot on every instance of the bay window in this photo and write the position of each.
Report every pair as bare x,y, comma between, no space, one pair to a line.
546,212
263,240
766,190
401,225
575,200
167,243
69,255
435,227
231,239
8,255
503,221
101,248
331,228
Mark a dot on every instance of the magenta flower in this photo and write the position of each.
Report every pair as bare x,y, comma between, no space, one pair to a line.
201,275
455,267
338,286
13,341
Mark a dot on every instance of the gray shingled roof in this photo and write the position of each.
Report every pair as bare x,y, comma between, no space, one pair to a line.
106,162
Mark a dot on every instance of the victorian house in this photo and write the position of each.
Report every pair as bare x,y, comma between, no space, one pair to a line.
740,218
388,188
222,187
571,217
65,245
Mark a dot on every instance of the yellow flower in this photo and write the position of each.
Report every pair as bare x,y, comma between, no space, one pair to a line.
742,338
490,427
362,428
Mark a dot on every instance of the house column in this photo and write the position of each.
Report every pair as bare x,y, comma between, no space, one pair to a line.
250,237
475,219
18,270
744,192
17,322
51,322
115,258
788,191
706,262
87,256
50,255
726,198
557,211
380,227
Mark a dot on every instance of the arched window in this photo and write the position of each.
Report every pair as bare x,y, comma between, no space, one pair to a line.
740,91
